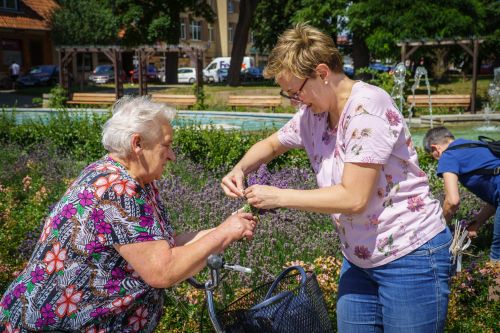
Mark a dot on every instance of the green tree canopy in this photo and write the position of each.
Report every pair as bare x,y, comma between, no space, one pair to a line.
84,22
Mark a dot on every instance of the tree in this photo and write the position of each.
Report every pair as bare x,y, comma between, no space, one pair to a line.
245,17
84,22
148,22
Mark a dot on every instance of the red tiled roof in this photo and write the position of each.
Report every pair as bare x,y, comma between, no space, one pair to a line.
32,14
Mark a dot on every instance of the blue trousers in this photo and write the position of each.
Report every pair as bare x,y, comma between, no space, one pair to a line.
407,295
495,245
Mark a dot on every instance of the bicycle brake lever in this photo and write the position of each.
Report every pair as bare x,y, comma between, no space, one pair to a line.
238,268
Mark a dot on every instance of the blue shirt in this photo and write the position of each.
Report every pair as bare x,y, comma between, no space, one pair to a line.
463,160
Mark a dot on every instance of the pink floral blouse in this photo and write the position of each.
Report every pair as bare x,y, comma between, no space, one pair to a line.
402,214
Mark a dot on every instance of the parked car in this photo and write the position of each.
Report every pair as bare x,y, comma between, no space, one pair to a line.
43,75
222,74
252,74
104,74
379,67
152,74
186,75
349,70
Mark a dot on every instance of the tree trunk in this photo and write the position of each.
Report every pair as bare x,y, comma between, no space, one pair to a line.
360,55
171,64
240,39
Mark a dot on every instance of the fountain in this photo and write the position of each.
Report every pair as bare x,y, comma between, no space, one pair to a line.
397,92
419,72
493,102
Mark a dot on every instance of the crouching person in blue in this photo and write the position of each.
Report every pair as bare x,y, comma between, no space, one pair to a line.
477,168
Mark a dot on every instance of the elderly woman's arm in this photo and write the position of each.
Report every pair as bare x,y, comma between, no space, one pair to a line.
161,266
189,237
351,196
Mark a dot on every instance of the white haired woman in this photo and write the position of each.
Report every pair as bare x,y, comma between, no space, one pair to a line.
107,247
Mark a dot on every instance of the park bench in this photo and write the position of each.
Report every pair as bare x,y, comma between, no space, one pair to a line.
177,100
92,98
449,101
254,101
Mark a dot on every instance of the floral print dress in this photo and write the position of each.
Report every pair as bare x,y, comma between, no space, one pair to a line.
402,215
75,280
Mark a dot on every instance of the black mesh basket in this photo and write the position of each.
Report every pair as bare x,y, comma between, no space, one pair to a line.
292,303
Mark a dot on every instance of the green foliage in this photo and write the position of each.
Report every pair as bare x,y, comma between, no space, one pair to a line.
383,80
84,22
58,97
200,97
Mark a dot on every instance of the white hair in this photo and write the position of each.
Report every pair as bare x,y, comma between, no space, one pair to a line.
134,115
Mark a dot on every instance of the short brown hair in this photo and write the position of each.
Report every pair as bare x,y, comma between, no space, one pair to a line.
300,49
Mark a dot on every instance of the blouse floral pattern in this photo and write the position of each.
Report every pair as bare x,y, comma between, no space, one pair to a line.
75,279
401,215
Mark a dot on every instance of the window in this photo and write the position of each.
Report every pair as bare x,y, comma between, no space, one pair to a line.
183,30
195,30
9,4
230,33
230,7
210,32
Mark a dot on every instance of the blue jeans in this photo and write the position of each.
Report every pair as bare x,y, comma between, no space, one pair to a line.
495,245
407,295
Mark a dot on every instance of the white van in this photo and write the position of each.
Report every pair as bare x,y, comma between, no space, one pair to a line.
210,73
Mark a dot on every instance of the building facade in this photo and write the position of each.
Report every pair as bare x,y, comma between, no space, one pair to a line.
25,33
217,35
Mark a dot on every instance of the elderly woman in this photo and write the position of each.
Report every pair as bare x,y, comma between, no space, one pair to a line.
107,248
396,267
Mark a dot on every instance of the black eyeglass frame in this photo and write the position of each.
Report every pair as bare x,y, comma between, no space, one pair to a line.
295,96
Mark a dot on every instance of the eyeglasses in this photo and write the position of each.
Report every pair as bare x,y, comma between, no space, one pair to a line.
295,96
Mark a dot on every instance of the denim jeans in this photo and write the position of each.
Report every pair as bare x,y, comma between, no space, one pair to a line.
495,245
407,295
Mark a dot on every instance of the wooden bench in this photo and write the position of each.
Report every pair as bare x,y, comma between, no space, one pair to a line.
449,101
254,101
92,98
177,100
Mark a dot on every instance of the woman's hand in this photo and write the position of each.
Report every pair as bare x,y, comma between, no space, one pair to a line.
263,196
232,183
473,228
238,226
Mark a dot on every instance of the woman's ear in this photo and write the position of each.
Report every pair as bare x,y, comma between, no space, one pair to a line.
136,143
323,71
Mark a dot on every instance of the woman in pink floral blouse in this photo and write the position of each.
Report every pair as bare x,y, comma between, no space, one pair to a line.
107,248
394,239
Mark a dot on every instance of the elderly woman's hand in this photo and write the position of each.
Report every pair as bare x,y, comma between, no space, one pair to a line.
238,226
232,183
263,196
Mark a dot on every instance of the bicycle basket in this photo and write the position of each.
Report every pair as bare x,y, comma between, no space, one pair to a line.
293,303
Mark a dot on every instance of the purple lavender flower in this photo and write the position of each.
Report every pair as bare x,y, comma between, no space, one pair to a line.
112,286
97,215
37,275
68,211
85,198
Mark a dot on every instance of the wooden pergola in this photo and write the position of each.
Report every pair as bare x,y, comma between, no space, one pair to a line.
114,54
471,46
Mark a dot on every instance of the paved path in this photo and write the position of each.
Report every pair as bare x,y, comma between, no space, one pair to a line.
10,98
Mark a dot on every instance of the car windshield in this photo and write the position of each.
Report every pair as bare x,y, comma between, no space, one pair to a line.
41,69
103,69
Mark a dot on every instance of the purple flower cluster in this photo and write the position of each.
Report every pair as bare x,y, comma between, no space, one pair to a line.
283,235
48,316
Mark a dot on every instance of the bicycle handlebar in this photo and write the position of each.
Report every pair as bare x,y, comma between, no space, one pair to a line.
215,262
